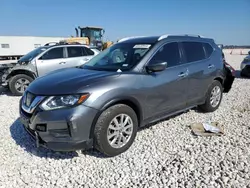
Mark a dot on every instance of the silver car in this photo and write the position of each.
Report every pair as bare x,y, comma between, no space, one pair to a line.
245,66
43,60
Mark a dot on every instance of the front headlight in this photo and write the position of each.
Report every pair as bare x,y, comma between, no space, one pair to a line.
64,101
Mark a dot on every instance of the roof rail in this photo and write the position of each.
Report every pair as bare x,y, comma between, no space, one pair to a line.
188,35
163,37
62,43
51,43
127,38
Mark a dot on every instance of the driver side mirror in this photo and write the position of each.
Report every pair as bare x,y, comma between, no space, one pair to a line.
248,52
157,67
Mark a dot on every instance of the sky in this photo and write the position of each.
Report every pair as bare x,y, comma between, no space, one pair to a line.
226,21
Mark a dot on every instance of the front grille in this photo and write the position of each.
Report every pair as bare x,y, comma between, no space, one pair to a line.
30,102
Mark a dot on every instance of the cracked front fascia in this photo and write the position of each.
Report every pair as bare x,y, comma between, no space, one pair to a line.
25,67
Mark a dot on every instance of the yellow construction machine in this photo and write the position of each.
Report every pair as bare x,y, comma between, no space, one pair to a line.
92,36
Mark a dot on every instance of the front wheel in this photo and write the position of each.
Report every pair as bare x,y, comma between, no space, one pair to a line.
19,83
213,98
115,130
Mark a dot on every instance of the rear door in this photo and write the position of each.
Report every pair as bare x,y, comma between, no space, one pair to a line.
51,60
77,55
199,67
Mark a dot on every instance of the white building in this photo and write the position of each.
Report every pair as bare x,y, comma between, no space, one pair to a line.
17,46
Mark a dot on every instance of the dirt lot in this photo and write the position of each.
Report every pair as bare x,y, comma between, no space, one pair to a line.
163,155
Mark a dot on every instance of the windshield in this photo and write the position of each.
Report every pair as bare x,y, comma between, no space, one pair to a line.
119,57
93,34
31,55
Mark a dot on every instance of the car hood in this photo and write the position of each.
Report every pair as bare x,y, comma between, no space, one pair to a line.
68,81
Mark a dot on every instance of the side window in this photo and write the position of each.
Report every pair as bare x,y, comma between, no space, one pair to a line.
194,51
5,45
168,53
208,48
55,53
89,51
75,51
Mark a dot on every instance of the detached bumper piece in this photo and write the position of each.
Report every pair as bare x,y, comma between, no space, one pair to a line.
58,146
34,135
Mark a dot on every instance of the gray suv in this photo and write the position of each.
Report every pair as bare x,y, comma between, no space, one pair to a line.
135,82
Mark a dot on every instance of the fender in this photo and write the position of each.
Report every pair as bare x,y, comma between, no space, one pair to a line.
21,69
130,101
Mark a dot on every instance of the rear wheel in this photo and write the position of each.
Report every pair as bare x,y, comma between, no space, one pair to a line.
245,72
213,98
115,130
19,83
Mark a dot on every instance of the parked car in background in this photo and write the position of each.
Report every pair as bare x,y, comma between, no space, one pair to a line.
95,49
131,84
245,66
41,61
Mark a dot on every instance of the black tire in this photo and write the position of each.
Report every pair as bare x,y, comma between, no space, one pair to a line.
13,81
245,74
207,106
242,74
101,128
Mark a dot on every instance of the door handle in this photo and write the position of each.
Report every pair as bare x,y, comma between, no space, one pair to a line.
62,62
183,74
86,59
210,66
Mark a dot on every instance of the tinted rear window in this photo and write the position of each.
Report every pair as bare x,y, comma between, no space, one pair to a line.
89,51
194,51
75,51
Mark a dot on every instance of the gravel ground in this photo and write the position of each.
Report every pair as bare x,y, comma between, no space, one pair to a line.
165,154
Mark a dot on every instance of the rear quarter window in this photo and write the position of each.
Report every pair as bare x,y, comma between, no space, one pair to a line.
89,51
75,51
208,48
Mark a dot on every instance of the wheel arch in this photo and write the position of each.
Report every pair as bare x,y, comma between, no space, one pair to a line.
129,101
20,71
220,80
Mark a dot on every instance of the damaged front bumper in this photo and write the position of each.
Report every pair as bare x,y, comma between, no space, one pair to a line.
62,129
58,146
5,70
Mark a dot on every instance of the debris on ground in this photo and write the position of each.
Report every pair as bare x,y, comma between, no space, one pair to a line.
207,129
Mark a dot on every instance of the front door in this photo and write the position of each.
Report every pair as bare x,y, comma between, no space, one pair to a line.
51,60
166,90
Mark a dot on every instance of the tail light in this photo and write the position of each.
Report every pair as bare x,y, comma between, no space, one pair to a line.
230,68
